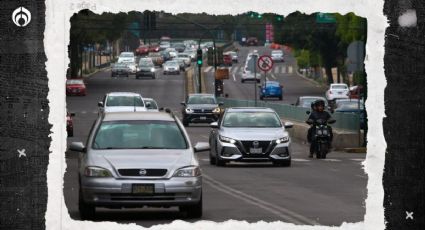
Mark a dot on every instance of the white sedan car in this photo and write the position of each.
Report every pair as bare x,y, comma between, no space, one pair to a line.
122,102
277,55
337,91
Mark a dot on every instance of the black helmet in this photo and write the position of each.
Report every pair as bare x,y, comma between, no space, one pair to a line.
319,103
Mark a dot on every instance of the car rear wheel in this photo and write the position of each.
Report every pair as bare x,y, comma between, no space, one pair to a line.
70,132
258,81
280,97
87,211
242,81
185,122
193,211
212,159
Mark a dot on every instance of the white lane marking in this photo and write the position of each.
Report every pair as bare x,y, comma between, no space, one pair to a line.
234,77
331,160
208,69
276,70
281,212
94,111
83,112
290,69
357,159
273,76
300,160
234,70
361,176
205,136
204,159
267,78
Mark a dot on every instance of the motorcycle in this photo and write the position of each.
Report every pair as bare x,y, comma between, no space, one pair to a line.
321,137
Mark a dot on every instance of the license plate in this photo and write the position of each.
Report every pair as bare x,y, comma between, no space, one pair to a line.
256,150
203,118
339,92
143,189
74,90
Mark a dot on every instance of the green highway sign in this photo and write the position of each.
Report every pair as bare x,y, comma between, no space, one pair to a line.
325,18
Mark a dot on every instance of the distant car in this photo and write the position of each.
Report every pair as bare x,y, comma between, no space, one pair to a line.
75,87
185,57
142,50
154,47
120,69
137,160
69,124
151,104
336,91
234,56
122,102
200,108
275,46
146,68
227,60
164,45
248,73
131,65
356,92
277,55
165,38
306,101
179,47
172,52
126,57
252,41
250,134
165,55
271,89
157,59
353,106
171,67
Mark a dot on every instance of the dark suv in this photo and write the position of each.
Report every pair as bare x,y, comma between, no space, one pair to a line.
200,108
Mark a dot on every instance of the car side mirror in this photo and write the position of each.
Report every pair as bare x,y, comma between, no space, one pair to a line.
220,103
201,146
72,114
289,125
214,125
77,147
307,112
293,104
183,103
100,104
331,121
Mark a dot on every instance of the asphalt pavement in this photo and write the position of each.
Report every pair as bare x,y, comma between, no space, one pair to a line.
327,191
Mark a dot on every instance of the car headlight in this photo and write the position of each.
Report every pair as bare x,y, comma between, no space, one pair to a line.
282,140
152,69
93,171
190,171
216,110
226,139
188,110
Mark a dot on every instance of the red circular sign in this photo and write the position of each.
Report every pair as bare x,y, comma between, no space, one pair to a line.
265,63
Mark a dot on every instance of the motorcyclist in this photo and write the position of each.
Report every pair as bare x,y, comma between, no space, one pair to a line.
317,114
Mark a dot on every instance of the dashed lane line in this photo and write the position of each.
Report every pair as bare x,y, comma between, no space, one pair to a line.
285,214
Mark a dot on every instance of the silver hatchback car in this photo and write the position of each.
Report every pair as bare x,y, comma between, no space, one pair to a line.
250,134
137,159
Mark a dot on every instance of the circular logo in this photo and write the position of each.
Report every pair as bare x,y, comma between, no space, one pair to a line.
142,172
265,63
21,16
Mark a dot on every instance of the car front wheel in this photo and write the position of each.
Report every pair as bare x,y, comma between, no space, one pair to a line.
193,211
87,211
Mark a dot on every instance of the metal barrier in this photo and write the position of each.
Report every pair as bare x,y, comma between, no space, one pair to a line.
349,122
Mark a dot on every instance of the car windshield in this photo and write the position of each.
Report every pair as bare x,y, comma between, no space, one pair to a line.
139,135
251,119
183,55
171,63
277,52
349,105
306,102
339,87
120,65
124,101
74,82
147,63
201,100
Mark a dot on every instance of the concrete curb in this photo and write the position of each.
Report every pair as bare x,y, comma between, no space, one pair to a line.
308,79
96,71
356,150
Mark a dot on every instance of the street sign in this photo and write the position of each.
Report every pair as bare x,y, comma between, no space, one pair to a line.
265,63
355,56
222,73
325,18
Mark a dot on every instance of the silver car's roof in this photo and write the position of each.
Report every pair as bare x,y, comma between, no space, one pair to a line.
123,94
201,94
250,109
140,116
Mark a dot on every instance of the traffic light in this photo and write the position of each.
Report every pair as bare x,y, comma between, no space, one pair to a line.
199,57
279,18
210,59
219,55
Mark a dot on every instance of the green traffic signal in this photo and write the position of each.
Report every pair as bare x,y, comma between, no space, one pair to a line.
259,16
200,62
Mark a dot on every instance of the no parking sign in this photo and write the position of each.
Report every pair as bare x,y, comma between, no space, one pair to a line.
265,63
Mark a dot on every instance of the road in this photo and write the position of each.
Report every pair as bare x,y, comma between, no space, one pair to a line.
311,191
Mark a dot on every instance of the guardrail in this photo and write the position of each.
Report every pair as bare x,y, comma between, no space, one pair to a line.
349,122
